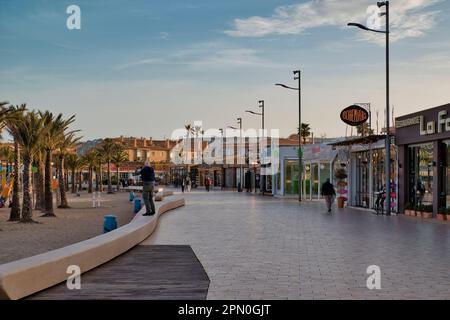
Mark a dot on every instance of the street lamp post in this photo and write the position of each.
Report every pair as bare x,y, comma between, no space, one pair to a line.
239,121
388,141
297,76
262,114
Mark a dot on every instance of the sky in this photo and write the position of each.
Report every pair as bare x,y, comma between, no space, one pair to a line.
145,68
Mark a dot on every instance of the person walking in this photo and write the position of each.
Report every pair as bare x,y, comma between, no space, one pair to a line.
207,183
148,184
328,193
183,184
188,184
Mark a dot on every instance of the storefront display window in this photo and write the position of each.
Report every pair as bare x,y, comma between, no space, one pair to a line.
420,178
291,177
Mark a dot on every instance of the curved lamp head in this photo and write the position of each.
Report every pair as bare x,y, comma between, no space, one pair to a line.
358,25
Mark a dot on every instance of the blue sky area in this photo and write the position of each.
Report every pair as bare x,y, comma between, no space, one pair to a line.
145,68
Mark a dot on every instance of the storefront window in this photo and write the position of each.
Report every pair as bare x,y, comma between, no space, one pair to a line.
291,177
446,175
307,181
362,179
315,179
324,172
420,177
378,158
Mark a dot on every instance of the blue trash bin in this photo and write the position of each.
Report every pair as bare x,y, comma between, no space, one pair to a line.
109,223
137,205
131,196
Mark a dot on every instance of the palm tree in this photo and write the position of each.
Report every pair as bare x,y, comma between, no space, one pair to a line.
98,168
119,157
29,136
189,129
68,141
75,164
12,120
40,179
107,150
56,125
90,159
306,131
364,130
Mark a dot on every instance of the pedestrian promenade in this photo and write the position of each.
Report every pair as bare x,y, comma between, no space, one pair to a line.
255,247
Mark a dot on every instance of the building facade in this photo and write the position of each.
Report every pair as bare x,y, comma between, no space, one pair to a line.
318,162
423,140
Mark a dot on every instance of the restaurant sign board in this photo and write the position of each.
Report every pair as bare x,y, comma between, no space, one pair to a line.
354,115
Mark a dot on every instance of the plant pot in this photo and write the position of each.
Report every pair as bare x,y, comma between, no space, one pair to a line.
427,215
409,212
340,202
441,217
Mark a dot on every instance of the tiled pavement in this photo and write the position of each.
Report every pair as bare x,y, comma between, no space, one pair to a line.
267,248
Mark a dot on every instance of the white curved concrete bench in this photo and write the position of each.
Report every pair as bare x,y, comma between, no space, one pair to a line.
161,195
26,276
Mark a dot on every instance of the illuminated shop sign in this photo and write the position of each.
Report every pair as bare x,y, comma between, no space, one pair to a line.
442,124
354,115
426,128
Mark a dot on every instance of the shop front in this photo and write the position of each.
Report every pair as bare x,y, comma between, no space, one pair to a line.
423,140
364,159
318,162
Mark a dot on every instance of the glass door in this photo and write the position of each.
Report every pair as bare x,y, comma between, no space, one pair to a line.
307,181
420,175
315,180
291,177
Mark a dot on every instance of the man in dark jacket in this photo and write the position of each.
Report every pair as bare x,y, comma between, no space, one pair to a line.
328,193
148,183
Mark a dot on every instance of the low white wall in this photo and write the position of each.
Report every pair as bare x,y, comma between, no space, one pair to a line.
26,276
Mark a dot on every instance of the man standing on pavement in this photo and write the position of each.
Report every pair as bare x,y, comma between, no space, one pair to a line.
328,193
148,183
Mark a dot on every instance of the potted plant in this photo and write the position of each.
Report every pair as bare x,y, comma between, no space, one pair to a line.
409,209
441,215
341,175
418,210
427,212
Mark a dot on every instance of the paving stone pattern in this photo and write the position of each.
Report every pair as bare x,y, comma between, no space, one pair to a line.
255,247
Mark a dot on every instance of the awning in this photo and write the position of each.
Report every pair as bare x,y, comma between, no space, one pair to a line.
359,140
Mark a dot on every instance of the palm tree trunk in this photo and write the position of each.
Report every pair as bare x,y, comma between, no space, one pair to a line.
80,180
109,178
14,215
62,183
48,209
27,210
118,180
91,173
42,184
40,197
100,171
97,185
73,180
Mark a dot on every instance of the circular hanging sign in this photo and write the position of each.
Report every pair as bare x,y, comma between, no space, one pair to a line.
354,115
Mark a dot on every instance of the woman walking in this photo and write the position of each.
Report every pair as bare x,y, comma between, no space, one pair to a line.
328,193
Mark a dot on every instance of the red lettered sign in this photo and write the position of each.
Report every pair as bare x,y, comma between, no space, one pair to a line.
354,115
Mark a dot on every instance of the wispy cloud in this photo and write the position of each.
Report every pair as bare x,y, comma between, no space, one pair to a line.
409,18
208,55
234,57
138,63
